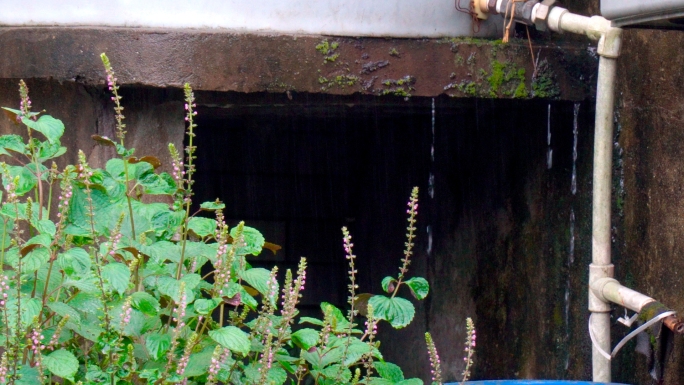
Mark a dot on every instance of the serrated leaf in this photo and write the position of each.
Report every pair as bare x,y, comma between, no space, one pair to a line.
46,226
158,184
85,284
162,251
198,364
310,320
13,143
26,181
258,278
74,261
157,344
231,337
206,306
61,363
389,371
341,322
117,275
211,206
64,310
388,284
33,260
306,338
29,376
52,128
410,381
252,238
145,302
171,287
41,240
202,226
419,287
397,311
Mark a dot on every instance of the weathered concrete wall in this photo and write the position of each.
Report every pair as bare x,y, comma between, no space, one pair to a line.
213,61
651,118
154,117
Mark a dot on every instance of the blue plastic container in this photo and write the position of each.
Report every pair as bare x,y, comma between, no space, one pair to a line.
534,382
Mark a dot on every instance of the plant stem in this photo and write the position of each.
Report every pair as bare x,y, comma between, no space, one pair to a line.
128,197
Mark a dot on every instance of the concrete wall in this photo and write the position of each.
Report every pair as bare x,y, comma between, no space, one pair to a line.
650,223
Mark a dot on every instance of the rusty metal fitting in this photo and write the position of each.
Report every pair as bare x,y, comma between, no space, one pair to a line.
674,323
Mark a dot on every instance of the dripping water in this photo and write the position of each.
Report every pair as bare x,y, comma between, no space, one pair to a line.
431,178
549,151
571,253
573,181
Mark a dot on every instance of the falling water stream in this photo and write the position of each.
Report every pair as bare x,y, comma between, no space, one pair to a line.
571,248
549,151
573,182
431,178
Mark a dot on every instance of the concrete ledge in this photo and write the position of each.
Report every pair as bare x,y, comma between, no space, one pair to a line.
248,63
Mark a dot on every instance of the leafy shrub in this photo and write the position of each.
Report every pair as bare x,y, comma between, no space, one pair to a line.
99,286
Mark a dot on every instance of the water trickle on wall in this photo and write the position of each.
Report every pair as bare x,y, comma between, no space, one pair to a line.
573,182
431,178
549,150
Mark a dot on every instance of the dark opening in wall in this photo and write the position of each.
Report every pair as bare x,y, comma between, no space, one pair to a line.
497,245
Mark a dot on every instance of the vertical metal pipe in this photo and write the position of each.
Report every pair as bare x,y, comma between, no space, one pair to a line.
601,210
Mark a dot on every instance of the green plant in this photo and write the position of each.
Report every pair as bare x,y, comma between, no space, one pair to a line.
100,287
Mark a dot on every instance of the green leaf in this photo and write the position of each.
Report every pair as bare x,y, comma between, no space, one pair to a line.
47,150
46,226
157,344
275,376
332,373
389,371
64,310
202,226
158,184
27,180
52,128
357,349
211,206
89,330
410,381
171,287
206,306
146,303
306,338
29,376
341,322
258,278
12,142
198,364
231,337
40,239
61,363
29,263
253,240
419,287
388,284
162,251
310,320
117,275
85,284
397,311
74,261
